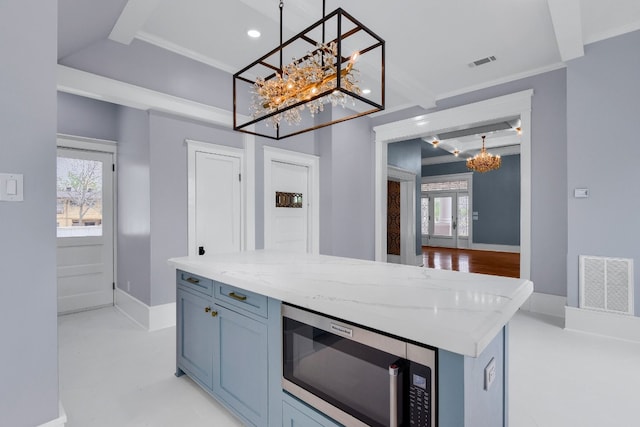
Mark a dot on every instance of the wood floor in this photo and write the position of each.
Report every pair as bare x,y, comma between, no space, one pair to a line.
496,263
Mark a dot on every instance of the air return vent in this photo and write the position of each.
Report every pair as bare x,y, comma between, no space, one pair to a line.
482,61
606,284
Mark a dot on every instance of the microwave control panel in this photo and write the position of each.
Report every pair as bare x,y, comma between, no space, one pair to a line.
419,396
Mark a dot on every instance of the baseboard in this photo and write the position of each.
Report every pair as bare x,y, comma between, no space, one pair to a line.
494,248
601,323
552,305
58,422
394,259
151,318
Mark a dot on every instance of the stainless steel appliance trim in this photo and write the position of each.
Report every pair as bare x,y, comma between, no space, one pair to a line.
427,357
363,336
321,405
393,395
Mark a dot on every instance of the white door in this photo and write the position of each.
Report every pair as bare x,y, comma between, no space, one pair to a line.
289,200
218,204
85,230
447,221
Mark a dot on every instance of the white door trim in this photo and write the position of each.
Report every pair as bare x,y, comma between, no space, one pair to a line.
408,231
247,228
272,154
518,103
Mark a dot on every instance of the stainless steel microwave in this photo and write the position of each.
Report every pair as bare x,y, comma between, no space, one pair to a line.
357,376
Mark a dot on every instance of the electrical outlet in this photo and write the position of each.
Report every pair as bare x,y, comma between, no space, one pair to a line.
489,374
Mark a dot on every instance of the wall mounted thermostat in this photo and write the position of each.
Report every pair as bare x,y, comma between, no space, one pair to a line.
581,193
11,187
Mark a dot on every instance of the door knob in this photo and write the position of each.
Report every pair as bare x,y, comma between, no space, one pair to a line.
201,250
207,309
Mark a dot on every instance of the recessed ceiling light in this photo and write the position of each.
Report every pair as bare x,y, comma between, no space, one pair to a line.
366,91
254,34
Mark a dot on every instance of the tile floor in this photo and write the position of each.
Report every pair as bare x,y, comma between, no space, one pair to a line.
112,373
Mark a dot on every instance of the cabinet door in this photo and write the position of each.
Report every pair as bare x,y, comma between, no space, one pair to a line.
291,417
195,337
241,368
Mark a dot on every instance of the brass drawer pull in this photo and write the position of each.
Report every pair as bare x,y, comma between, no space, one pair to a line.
238,297
192,280
207,309
214,313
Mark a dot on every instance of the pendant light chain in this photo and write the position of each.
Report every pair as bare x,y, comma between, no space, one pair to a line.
281,6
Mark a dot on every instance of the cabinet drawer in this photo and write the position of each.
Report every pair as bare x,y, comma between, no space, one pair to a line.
249,301
195,282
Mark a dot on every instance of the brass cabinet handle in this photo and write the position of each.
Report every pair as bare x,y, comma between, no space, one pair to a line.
207,309
214,313
238,297
192,280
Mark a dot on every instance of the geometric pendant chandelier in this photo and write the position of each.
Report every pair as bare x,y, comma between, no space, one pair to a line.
335,62
484,161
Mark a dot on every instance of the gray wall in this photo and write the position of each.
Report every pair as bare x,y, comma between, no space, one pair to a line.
349,183
87,117
603,112
134,204
28,292
407,155
496,198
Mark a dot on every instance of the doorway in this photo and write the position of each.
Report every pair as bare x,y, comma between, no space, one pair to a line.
447,216
85,229
291,201
216,199
514,105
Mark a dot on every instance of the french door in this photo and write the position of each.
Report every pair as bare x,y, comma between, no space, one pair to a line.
85,236
445,219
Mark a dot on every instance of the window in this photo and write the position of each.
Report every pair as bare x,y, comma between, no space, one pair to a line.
79,206
424,216
455,185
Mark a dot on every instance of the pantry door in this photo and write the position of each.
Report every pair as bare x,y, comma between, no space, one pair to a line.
291,201
85,233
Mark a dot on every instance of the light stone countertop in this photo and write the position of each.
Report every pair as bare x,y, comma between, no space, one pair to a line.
454,311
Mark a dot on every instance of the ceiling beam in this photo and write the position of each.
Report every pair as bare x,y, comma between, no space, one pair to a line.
567,25
132,19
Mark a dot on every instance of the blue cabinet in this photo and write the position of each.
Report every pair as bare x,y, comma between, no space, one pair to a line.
241,364
223,344
194,332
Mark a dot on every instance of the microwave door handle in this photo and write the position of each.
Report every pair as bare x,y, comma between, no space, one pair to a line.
393,395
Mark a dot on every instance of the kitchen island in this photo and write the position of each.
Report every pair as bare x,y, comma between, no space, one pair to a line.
464,316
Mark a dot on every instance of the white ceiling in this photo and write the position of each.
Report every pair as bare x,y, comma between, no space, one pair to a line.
429,44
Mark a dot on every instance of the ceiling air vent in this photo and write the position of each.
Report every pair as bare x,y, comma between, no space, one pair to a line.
482,61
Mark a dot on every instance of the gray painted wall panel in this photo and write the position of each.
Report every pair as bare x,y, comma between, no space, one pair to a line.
87,117
352,173
28,291
496,198
603,93
407,155
134,205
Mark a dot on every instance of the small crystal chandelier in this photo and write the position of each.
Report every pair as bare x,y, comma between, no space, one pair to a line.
269,98
484,161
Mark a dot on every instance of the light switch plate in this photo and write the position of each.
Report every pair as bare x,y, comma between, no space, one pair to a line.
11,187
489,374
581,193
